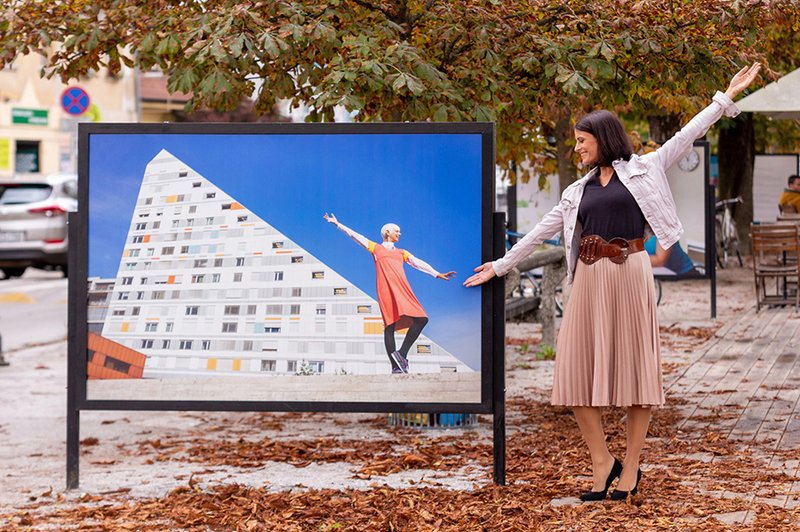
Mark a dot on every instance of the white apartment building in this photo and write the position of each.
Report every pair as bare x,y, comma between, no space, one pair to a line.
206,287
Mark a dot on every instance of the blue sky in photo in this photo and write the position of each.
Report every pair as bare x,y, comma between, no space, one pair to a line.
428,184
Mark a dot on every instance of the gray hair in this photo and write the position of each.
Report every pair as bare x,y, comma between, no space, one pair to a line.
388,227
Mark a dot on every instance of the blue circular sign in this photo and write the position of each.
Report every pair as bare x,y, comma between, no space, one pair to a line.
75,101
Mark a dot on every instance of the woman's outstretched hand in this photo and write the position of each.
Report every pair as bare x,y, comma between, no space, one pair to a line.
742,80
331,218
446,276
484,272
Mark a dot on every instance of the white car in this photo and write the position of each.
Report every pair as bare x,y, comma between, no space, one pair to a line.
33,223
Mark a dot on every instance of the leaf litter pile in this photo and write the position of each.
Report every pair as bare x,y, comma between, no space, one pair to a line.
684,481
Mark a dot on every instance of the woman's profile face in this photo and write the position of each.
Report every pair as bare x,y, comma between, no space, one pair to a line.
586,147
393,234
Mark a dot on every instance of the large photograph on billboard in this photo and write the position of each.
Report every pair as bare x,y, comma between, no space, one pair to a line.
303,264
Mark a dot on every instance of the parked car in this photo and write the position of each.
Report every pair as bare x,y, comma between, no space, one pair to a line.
33,223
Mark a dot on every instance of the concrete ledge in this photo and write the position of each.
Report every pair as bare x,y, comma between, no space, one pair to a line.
410,388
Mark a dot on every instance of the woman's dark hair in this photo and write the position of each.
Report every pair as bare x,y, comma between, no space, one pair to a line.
612,141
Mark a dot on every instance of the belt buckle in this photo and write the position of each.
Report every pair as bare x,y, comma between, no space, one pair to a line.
622,256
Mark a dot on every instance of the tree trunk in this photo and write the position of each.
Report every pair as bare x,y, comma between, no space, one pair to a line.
567,172
736,158
663,127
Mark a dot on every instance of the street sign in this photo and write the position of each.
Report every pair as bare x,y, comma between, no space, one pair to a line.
34,117
74,100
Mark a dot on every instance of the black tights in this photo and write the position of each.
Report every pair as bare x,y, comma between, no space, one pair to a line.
411,336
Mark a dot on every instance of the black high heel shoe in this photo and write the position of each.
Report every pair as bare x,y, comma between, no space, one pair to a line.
619,495
616,471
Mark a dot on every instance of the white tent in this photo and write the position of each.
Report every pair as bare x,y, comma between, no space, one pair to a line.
780,99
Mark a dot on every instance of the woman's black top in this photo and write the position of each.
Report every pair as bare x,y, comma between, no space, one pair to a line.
610,211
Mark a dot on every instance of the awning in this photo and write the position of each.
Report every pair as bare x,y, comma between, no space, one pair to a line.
780,99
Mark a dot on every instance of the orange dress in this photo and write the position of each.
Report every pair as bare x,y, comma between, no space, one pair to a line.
397,302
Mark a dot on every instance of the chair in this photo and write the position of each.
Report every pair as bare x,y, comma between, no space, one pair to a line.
775,251
787,209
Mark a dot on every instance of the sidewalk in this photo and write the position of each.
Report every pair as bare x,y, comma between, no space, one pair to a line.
722,453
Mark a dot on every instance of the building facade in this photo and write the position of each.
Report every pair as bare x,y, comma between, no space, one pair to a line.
207,287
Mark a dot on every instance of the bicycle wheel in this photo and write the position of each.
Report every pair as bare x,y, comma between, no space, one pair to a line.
722,258
658,291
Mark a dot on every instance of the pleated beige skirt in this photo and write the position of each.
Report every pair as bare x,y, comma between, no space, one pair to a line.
607,352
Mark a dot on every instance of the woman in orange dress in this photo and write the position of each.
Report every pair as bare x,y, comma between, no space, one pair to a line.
400,308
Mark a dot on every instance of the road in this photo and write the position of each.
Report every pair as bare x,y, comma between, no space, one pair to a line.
33,310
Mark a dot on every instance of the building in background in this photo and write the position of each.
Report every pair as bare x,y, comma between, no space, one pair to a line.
38,126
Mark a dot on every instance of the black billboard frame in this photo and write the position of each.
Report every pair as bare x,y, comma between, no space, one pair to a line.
492,302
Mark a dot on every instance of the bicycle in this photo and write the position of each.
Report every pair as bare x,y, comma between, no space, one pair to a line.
725,233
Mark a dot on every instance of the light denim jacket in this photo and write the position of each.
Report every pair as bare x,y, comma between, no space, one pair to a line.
645,178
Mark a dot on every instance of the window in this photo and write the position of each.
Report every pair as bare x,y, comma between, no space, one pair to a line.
158,294
205,345
231,310
210,195
122,296
225,206
189,222
317,275
340,291
134,253
228,327
277,245
127,280
200,263
215,277
165,344
196,184
240,261
139,296
317,366
137,239
423,349
118,312
268,329
141,226
150,327
217,263
268,365
251,309
247,345
148,201
146,344
198,278
192,311
365,309
116,365
157,224
169,326
297,259
135,311
237,277
274,309
277,276
297,292
130,265
184,250
291,366
294,310
168,250
241,218
321,310
150,252
143,280
185,345
183,173
175,223
209,220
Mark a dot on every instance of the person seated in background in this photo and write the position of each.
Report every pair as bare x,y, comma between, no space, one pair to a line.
789,202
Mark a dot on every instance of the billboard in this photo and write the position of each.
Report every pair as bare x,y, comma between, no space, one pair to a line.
282,267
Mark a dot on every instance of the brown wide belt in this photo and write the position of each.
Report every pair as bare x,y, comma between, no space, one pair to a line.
594,248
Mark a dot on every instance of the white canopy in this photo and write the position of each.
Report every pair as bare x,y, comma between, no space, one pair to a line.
780,99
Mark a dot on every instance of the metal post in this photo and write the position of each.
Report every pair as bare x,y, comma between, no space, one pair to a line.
2,360
498,354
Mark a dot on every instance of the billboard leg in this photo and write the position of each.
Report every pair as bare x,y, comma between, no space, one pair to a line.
498,356
2,359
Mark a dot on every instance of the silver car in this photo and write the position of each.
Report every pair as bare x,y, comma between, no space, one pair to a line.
33,223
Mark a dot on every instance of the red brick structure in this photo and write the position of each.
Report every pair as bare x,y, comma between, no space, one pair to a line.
110,360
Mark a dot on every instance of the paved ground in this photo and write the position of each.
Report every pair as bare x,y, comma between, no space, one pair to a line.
740,386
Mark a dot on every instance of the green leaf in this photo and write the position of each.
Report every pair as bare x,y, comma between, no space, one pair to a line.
440,113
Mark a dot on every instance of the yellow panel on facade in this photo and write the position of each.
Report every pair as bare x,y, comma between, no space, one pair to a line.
5,154
236,206
146,238
171,199
373,327
126,253
124,327
237,364
171,279
211,364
